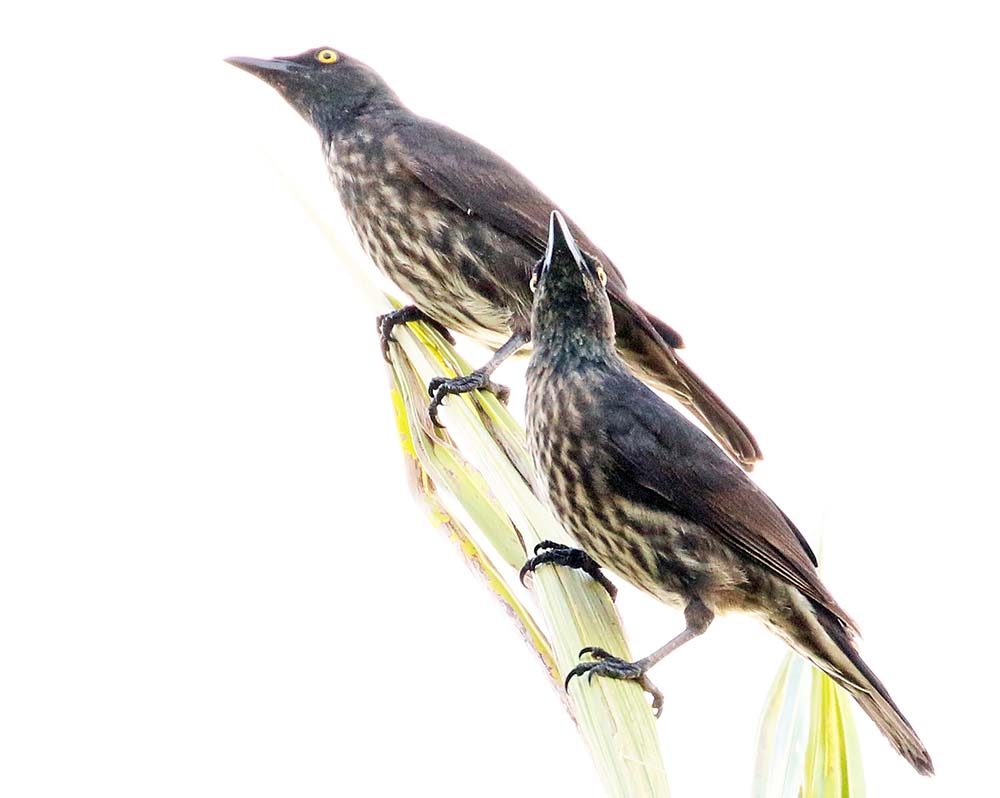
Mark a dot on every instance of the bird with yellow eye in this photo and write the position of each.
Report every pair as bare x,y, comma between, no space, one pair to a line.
459,230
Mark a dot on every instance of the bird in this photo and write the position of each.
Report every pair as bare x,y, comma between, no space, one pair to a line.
648,495
459,229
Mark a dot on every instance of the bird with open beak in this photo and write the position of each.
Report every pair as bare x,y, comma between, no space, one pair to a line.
648,495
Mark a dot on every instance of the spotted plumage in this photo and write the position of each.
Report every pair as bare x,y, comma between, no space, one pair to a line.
648,495
441,257
458,229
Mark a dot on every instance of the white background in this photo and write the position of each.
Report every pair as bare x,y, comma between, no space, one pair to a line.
213,580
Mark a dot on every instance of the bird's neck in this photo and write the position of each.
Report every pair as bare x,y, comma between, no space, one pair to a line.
371,114
571,346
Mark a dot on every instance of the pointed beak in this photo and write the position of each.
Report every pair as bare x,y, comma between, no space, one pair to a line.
268,70
561,243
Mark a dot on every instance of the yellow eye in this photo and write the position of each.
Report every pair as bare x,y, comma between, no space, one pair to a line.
326,56
534,282
602,275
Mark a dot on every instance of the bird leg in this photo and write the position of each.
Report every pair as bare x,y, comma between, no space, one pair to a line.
558,554
404,315
698,617
440,387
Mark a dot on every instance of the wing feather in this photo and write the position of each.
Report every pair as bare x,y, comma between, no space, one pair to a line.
658,449
479,182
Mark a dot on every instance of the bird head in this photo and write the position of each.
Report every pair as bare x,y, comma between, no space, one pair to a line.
571,301
325,86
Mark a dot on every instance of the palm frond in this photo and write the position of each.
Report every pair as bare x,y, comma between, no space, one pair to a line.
614,718
807,746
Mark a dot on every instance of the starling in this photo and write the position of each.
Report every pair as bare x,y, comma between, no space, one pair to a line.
648,495
459,230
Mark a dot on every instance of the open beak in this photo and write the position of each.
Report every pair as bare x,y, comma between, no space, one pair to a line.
561,243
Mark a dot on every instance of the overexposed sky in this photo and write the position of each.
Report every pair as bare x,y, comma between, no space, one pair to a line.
213,579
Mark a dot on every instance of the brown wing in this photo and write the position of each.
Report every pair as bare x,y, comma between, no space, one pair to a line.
482,184
680,469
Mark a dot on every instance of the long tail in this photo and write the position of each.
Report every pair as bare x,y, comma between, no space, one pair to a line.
648,345
822,638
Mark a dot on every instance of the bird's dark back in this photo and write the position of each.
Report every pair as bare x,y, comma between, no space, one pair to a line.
453,265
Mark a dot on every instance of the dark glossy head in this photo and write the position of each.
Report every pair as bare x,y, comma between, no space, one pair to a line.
327,87
571,303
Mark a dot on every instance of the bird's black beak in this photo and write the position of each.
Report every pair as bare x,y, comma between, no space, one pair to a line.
268,70
562,246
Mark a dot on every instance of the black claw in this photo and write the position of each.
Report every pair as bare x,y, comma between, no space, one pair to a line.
579,670
433,385
384,328
440,387
404,315
533,562
596,652
433,410
615,668
558,554
387,321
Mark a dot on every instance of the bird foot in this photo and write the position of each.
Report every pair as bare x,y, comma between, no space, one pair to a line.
556,553
404,315
440,387
613,667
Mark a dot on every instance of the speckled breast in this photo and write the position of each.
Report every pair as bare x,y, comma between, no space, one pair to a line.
659,552
572,473
448,262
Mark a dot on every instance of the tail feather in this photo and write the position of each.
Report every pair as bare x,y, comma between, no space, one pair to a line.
827,644
648,345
